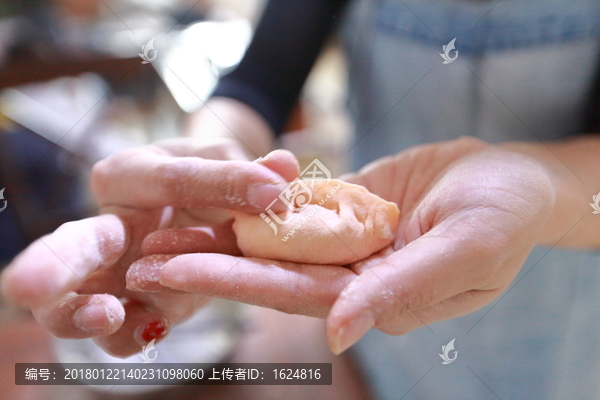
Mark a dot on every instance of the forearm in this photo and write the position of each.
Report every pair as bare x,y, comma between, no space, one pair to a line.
574,167
228,118
253,102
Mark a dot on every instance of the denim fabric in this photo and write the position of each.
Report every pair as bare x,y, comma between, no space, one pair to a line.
523,72
538,340
500,88
481,26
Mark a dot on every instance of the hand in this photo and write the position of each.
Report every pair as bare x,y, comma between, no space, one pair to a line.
470,215
74,278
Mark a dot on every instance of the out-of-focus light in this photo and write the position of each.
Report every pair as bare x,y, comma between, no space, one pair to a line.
199,56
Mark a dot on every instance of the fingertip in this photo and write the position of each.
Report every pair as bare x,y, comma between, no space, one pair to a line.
153,330
140,328
283,162
81,316
104,315
351,316
143,275
342,333
179,274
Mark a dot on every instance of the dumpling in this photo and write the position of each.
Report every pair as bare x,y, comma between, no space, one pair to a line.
330,222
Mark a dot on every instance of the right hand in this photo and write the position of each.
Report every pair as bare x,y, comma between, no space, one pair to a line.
74,279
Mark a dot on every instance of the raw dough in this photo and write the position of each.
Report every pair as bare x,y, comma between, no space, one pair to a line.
342,223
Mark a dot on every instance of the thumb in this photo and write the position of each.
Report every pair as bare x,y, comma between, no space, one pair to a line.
408,289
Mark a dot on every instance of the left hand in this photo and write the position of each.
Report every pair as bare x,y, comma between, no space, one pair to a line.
73,279
470,215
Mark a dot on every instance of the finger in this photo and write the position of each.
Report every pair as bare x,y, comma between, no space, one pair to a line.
373,260
176,306
146,179
283,162
203,147
454,307
368,176
143,275
109,280
169,302
140,327
354,178
288,287
429,270
415,169
80,317
58,263
216,239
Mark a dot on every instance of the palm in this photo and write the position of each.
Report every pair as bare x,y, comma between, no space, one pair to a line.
470,214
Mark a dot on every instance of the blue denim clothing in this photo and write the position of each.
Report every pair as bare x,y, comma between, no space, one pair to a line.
512,85
523,72
483,26
538,340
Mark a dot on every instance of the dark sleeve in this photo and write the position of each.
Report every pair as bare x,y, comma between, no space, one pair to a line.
283,50
591,117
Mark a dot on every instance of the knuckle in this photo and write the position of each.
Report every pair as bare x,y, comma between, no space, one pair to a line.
168,175
402,304
172,182
419,299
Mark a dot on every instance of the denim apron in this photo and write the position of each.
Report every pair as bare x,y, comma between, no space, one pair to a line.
523,72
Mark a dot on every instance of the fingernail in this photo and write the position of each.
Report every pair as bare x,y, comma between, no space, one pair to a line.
91,318
153,330
350,333
262,195
179,275
143,275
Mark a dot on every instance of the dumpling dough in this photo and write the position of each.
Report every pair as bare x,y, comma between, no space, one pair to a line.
342,223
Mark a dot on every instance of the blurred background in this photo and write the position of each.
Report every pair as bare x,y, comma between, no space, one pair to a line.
74,88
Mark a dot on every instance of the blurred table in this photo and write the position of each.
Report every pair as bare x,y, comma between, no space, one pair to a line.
28,69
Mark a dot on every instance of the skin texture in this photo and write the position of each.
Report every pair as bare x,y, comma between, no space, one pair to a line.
337,223
84,263
470,214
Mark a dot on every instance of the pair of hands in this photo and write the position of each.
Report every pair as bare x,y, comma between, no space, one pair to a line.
470,214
